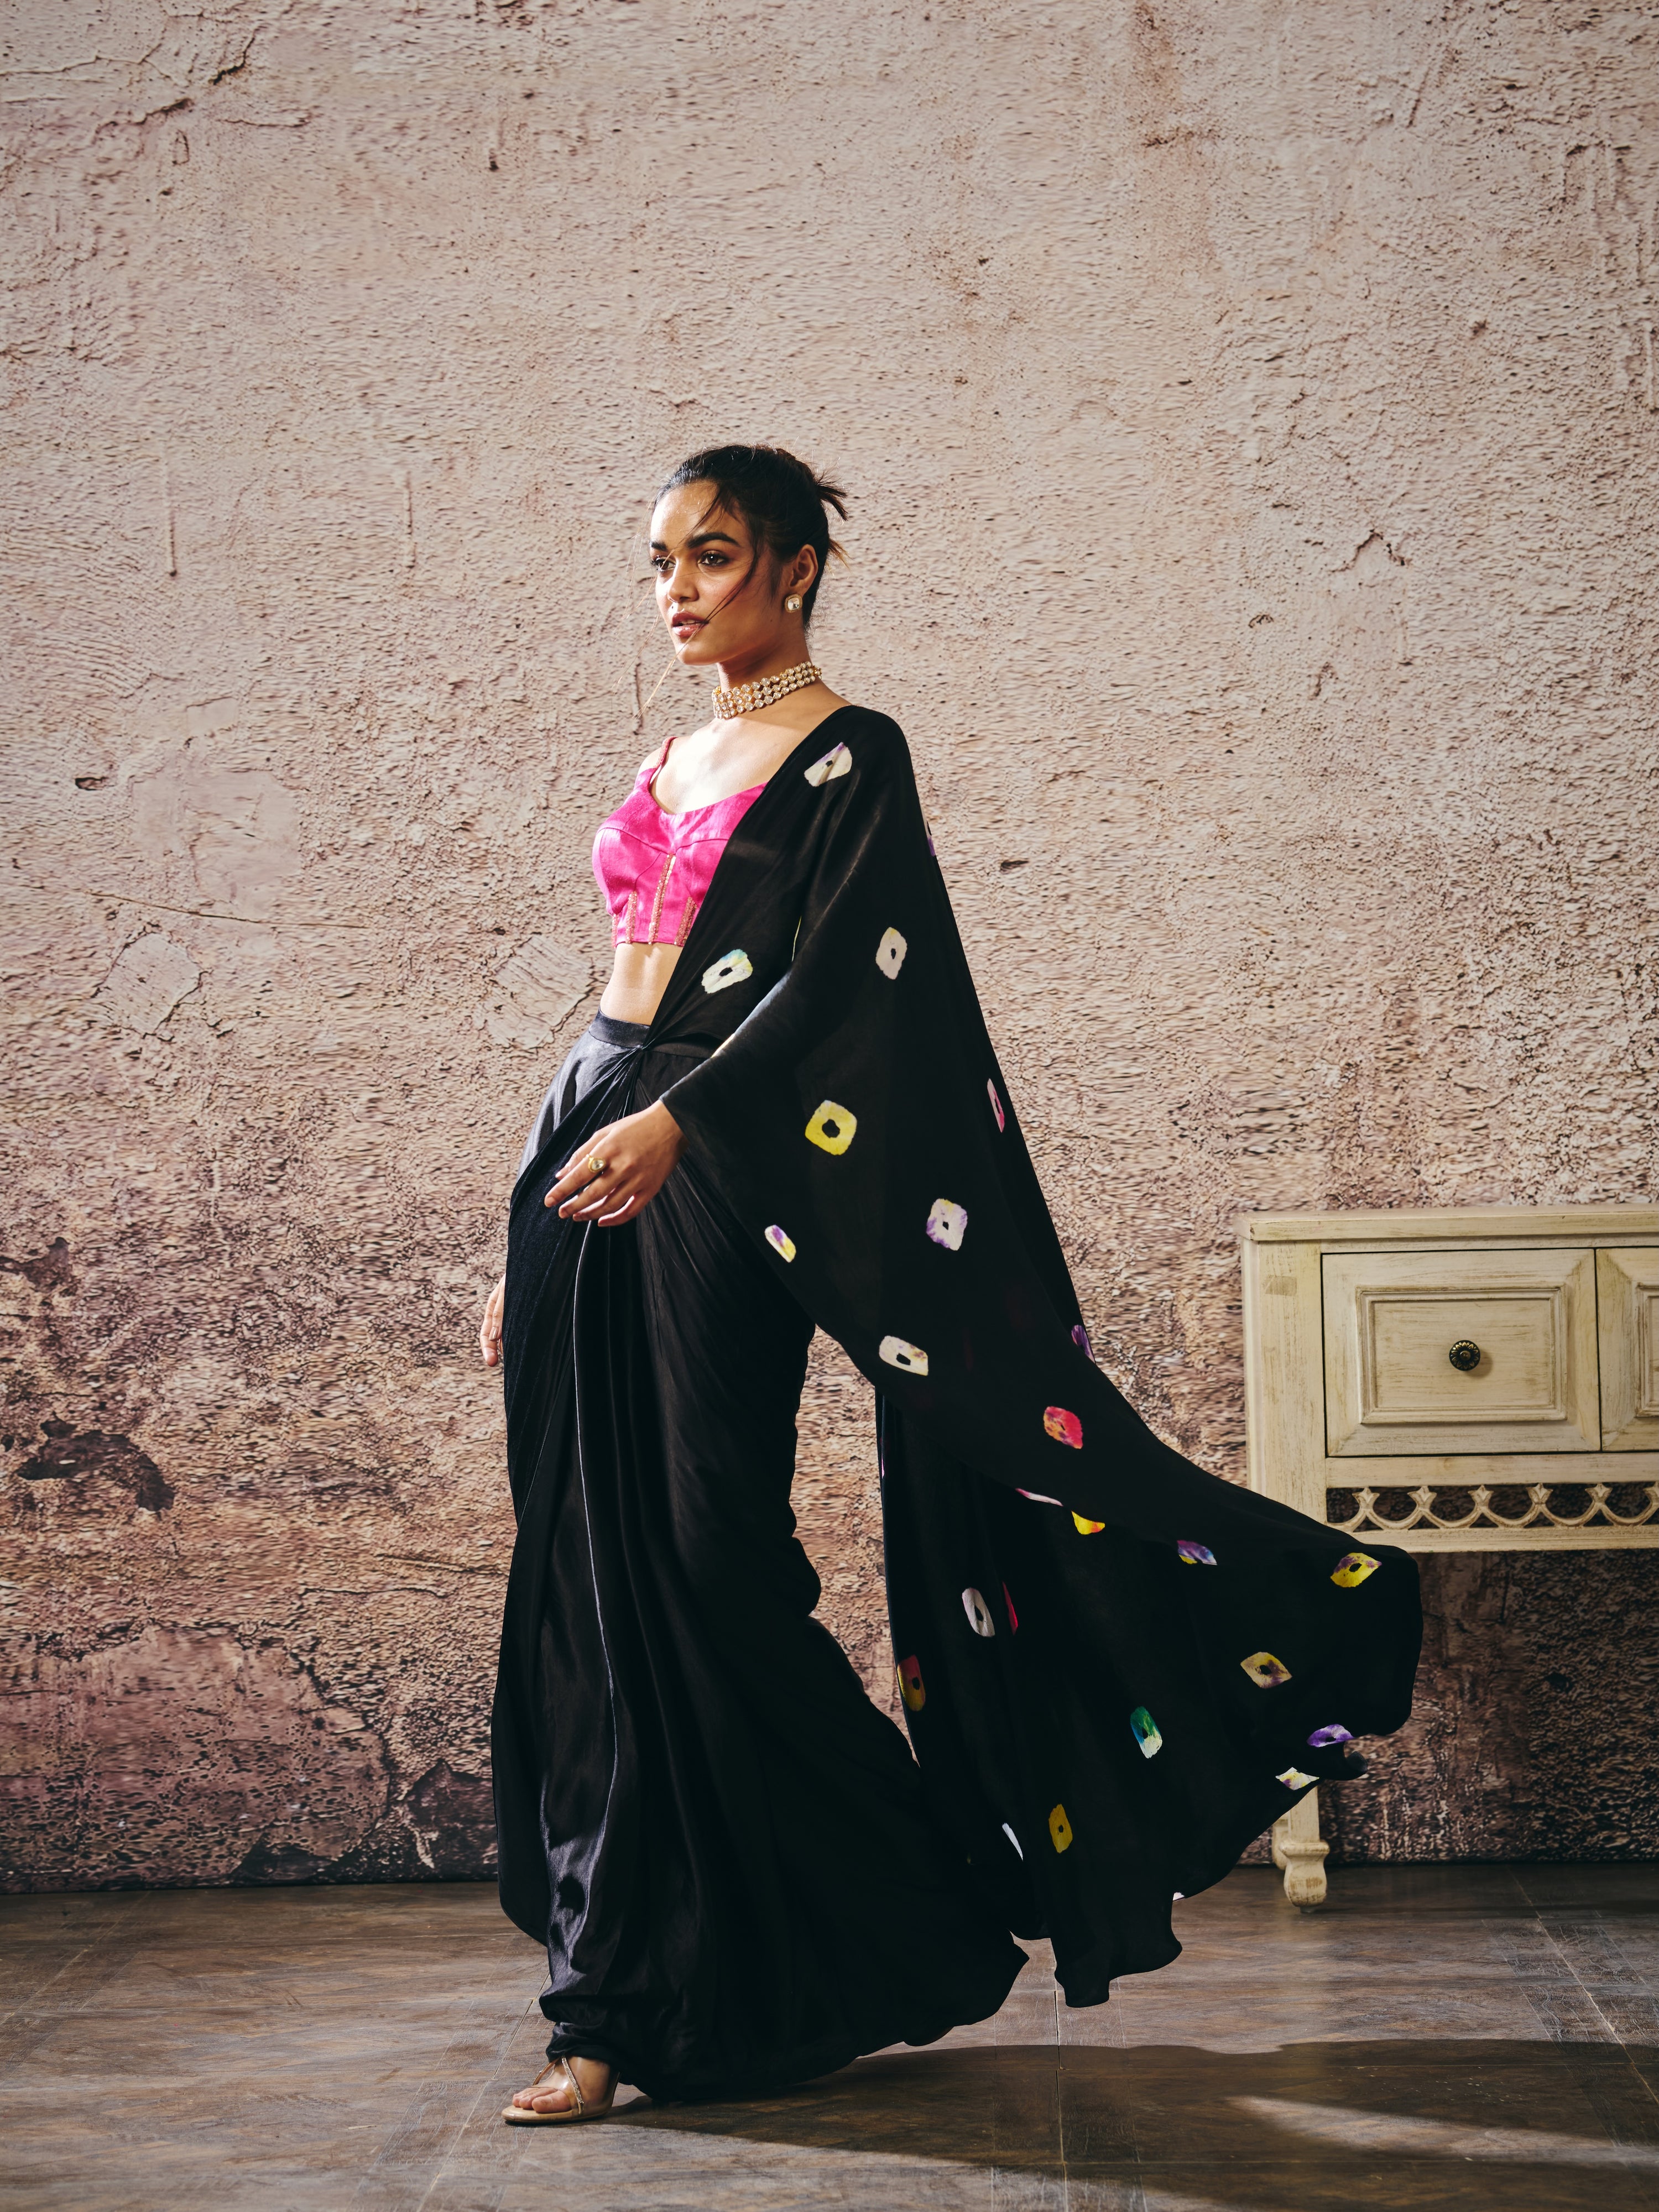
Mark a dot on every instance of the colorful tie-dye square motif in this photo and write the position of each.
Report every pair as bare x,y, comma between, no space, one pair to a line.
1195,1554
889,953
947,1223
1353,1569
1085,1527
978,1612
1294,1778
730,967
832,1128
782,1241
996,1104
835,763
1146,1732
1065,1428
897,1353
1059,1829
1265,1671
1334,1734
911,1687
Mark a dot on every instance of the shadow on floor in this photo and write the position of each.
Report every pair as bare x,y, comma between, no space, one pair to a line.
1327,2126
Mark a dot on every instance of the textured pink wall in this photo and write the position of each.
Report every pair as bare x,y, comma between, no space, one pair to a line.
1250,411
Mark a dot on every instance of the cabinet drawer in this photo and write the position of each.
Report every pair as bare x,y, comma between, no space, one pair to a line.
1523,1325
1627,1283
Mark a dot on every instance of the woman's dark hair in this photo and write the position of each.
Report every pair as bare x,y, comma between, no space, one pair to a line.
780,499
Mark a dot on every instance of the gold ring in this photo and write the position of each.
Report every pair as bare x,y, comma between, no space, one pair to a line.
594,1164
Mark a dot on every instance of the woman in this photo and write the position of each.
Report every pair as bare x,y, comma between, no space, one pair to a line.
1116,1669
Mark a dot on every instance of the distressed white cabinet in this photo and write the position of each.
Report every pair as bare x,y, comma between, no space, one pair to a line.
1476,1379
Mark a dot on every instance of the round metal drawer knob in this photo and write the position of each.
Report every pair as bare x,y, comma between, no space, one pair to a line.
1464,1356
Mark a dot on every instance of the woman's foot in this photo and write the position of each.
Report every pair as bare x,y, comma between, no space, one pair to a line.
550,2093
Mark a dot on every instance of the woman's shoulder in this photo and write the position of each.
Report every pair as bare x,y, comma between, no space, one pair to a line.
866,730
656,757
863,757
867,717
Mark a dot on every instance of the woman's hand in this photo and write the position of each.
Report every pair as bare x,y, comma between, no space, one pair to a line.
638,1155
489,1332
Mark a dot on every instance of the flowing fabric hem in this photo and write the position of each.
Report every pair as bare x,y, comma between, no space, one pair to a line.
789,2071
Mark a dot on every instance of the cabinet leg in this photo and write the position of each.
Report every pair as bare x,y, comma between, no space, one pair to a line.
1300,1850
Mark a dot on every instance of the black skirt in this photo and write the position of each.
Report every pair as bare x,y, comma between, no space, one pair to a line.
724,1846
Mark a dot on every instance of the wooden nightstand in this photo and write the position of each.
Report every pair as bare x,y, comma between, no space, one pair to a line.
1481,1378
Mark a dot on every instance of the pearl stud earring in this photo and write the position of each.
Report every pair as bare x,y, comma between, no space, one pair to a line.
792,605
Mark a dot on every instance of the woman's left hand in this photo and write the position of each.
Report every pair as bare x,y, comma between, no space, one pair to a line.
638,1155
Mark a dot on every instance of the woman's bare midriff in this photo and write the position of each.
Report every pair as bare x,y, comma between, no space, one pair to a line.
638,981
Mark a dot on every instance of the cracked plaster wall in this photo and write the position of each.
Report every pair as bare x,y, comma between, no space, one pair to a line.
1250,413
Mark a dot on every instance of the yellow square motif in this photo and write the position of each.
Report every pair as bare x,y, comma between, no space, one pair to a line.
832,1128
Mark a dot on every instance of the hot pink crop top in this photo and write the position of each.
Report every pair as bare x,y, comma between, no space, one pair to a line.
654,868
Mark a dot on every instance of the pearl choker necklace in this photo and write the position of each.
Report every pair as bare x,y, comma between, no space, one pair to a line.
745,698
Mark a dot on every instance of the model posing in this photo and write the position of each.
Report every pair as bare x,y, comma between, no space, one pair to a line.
1116,1669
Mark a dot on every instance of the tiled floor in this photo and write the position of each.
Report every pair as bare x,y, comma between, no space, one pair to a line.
1474,2037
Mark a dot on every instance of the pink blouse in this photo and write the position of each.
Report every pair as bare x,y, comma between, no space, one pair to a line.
655,868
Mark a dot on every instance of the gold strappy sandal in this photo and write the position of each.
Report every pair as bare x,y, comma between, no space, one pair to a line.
526,2115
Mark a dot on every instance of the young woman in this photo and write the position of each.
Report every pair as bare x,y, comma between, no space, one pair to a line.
1116,1669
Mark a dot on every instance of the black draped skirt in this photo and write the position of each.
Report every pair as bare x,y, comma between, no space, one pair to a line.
725,1847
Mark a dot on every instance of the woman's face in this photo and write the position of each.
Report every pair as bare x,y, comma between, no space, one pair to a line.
720,597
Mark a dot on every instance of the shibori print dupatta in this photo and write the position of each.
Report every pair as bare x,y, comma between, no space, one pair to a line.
1116,1669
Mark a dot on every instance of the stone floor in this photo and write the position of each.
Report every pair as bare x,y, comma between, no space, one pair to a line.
1469,2037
